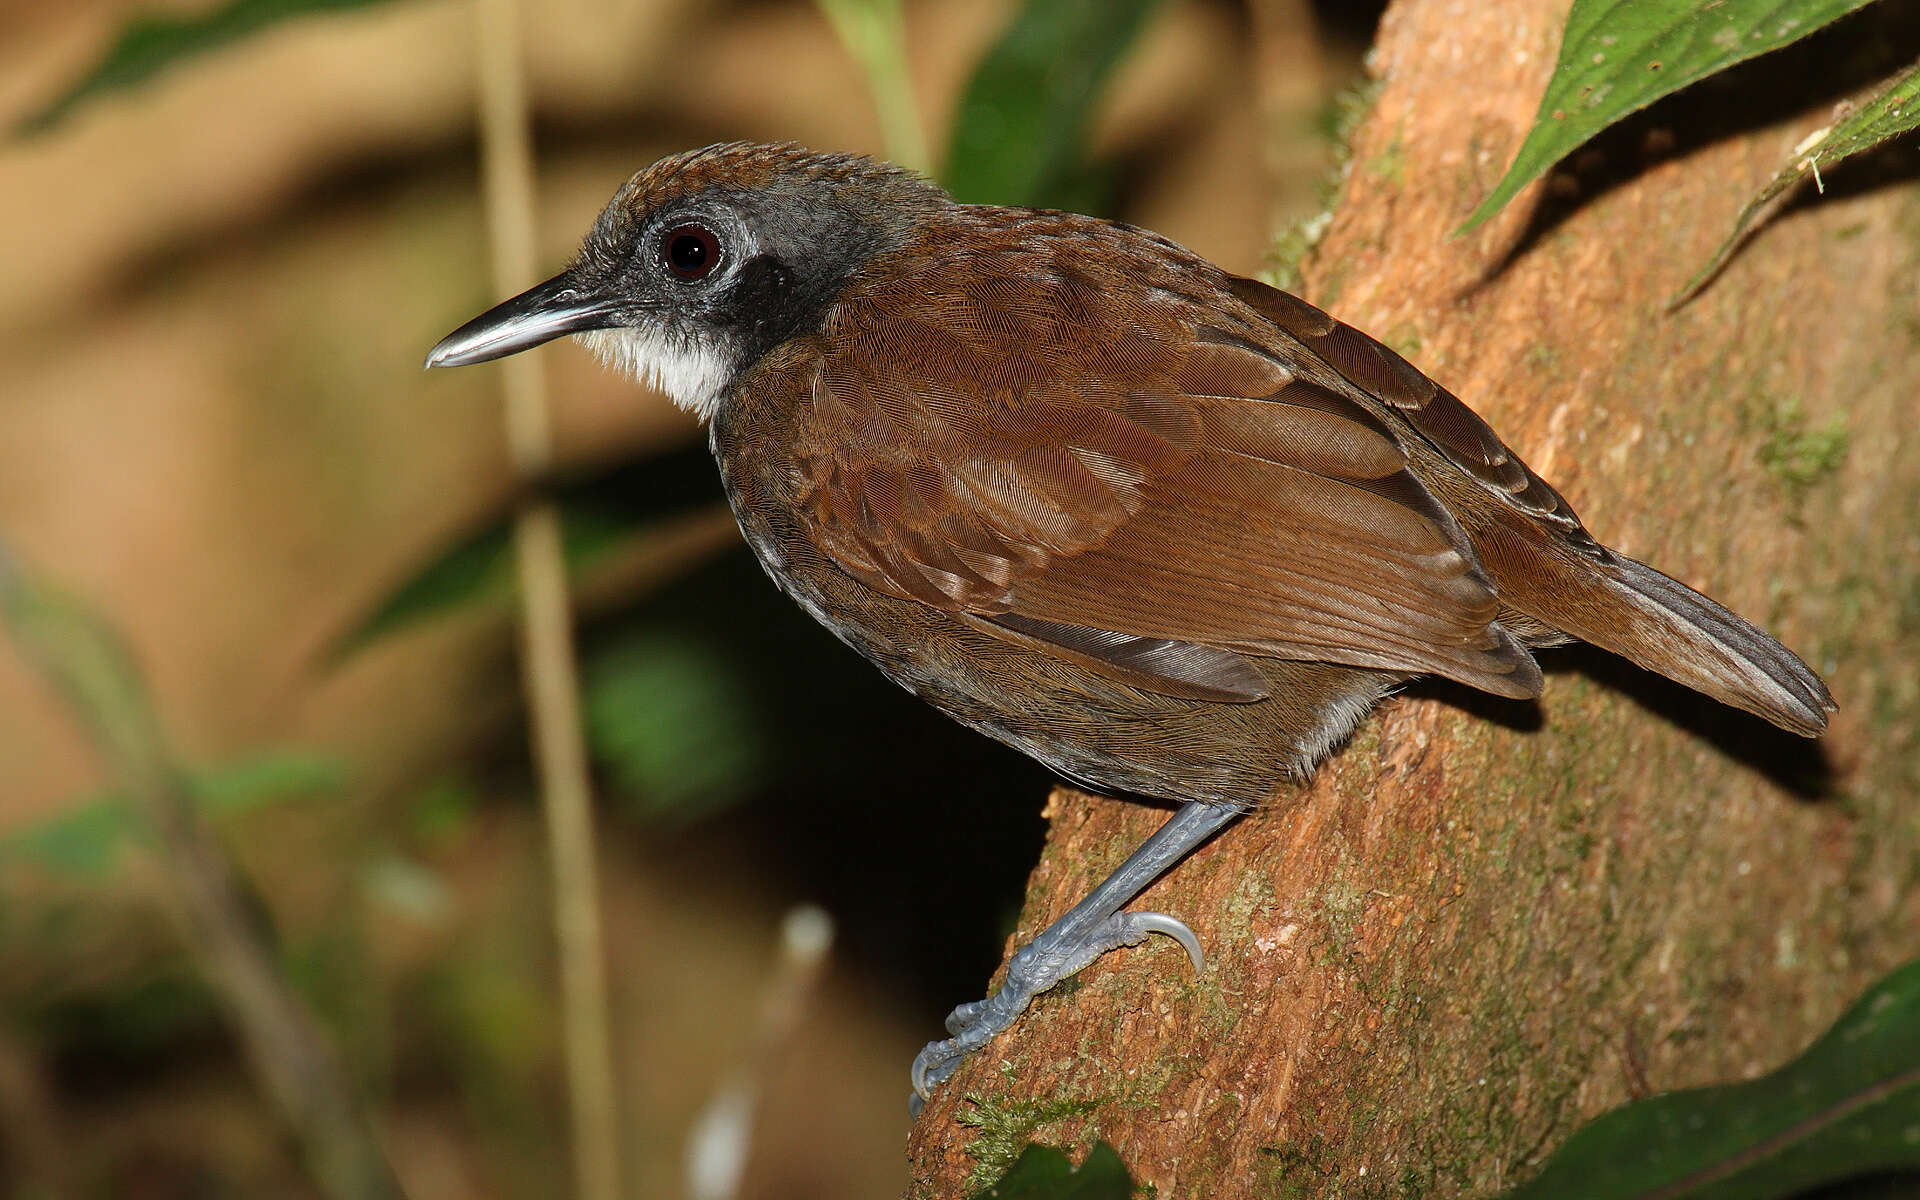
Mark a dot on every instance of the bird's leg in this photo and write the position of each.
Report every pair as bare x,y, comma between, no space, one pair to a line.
1082,934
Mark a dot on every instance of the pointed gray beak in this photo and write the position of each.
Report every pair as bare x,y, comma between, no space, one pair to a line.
540,314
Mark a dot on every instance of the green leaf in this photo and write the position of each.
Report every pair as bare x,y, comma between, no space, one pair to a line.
1019,136
148,45
1618,56
87,840
1895,111
1043,1173
1847,1108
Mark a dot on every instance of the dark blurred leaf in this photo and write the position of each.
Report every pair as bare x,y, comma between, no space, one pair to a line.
134,1021
480,570
88,839
1895,111
1019,136
442,811
1618,56
1847,1108
148,45
674,725
603,515
1043,1173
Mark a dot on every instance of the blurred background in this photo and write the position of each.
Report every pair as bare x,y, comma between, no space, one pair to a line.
215,432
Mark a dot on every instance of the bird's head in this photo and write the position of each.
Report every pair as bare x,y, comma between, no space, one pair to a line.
705,261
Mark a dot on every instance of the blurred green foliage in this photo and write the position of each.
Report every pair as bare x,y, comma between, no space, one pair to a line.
875,34
1019,136
142,1017
479,570
89,838
673,724
441,812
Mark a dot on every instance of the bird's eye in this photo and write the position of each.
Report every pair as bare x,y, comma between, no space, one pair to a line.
690,251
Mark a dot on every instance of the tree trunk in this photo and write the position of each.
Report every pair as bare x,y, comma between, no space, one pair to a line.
1484,923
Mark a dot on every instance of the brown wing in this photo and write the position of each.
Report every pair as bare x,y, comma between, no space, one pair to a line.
1438,416
1087,471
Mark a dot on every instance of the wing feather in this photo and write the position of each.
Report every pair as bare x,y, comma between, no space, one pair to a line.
1433,412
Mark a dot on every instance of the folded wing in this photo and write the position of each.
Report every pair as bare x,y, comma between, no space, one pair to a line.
1154,498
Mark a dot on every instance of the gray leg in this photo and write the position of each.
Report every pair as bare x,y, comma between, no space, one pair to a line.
1085,932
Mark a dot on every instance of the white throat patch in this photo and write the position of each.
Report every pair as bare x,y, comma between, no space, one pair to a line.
693,375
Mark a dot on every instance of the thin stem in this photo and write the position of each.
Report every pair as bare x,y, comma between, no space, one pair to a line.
547,652
874,33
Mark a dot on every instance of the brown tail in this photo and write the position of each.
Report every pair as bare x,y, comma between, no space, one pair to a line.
1688,638
1665,626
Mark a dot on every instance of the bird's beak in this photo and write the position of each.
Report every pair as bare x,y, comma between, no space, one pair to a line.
540,314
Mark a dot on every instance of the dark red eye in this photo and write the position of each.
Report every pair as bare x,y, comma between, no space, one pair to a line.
690,251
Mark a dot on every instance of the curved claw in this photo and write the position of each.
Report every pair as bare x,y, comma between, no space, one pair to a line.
922,1086
1135,927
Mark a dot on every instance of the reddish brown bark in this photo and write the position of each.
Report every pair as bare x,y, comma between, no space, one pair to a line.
1484,923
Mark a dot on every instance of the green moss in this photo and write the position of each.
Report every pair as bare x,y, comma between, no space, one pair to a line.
1007,1126
1292,246
1796,453
1252,894
1341,905
1390,165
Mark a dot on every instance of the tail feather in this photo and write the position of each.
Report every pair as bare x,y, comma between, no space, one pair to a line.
1692,640
1660,623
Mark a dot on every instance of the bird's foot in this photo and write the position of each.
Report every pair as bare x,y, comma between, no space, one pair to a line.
1045,961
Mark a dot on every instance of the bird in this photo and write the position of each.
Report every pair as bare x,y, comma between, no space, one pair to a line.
1168,530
